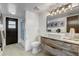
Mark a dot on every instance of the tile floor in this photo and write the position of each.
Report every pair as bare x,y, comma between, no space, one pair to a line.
17,50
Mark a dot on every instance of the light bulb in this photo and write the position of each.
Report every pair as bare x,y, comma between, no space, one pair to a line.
63,9
69,6
49,14
57,11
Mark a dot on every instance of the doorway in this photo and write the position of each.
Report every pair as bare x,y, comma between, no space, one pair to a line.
11,30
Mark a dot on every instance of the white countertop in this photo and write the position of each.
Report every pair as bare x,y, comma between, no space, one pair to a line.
60,37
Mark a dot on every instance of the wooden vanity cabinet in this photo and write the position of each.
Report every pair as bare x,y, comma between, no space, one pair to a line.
59,48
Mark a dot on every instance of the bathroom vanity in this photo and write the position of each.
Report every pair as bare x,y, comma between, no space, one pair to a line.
55,45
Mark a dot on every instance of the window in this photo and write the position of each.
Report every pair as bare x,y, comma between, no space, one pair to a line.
11,24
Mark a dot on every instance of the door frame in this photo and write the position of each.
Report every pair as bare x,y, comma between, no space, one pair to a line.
4,22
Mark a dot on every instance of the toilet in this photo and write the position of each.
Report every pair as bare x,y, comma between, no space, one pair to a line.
35,47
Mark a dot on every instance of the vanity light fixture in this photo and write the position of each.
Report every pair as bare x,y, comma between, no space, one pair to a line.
61,9
49,13
53,13
65,9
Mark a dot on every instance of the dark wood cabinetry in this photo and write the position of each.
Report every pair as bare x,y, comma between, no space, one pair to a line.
73,22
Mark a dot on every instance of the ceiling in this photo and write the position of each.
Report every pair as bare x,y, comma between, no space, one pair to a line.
18,9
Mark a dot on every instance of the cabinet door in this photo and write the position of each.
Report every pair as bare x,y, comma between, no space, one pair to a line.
54,51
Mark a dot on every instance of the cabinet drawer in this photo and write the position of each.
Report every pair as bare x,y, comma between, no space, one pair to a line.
52,41
67,46
54,51
74,48
68,53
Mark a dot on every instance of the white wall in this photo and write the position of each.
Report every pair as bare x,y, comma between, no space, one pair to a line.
31,28
42,22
